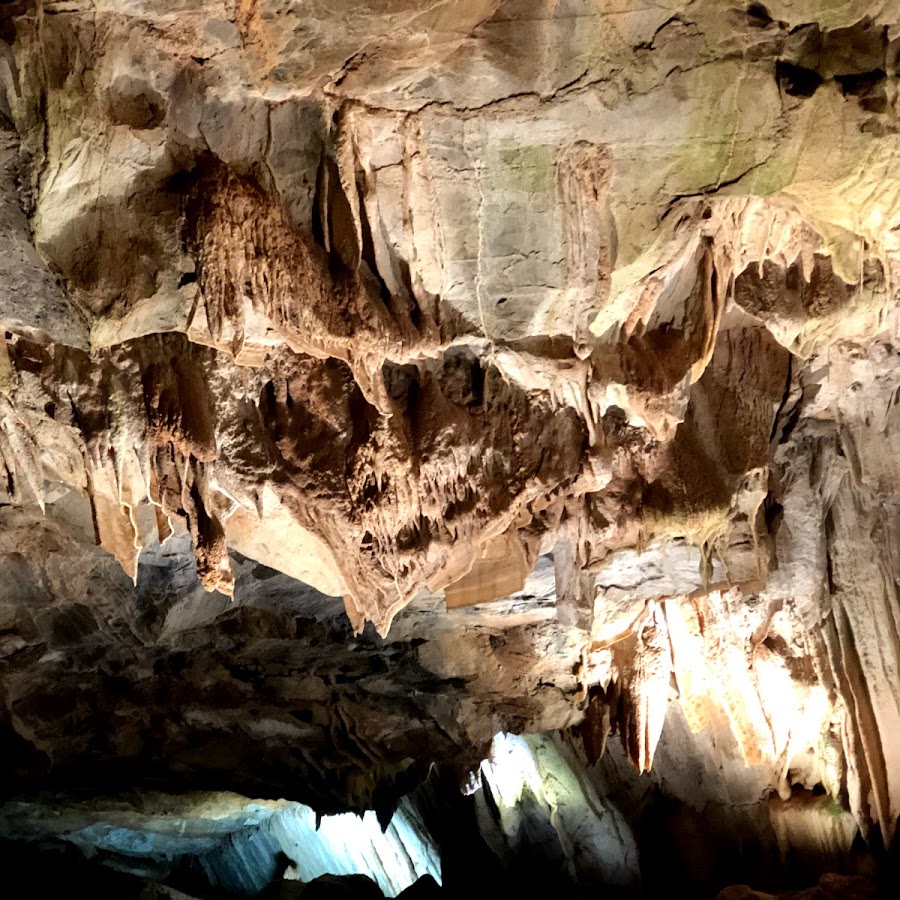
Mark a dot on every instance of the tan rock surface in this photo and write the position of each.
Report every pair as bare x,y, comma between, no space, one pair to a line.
396,298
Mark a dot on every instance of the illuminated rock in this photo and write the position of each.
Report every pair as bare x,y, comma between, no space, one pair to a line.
238,844
538,812
407,303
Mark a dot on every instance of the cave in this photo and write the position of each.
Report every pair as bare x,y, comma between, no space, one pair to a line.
449,448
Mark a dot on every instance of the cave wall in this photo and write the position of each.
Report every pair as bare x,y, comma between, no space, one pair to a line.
558,339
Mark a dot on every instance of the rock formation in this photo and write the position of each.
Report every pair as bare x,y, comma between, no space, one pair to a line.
558,338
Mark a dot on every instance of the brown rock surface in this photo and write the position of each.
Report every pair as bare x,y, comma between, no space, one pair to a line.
830,887
398,299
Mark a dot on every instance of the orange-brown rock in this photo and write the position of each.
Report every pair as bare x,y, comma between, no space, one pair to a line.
413,303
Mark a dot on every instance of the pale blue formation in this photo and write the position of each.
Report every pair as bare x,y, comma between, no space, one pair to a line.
244,851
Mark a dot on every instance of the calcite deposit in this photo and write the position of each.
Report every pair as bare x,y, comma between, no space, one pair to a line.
376,378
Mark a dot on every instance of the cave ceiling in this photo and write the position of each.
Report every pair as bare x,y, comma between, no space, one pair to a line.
375,378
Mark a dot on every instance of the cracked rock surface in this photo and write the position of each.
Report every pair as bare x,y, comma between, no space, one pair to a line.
558,338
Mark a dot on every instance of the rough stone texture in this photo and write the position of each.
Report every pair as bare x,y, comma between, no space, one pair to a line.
830,887
541,815
396,299
106,684
223,843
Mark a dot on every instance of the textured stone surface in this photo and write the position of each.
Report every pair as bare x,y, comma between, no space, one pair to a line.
107,684
400,302
541,815
830,886
226,844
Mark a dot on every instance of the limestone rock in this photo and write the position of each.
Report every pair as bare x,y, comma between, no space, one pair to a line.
538,812
410,304
830,887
